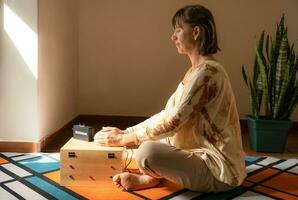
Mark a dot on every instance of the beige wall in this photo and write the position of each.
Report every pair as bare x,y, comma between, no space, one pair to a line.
18,84
35,103
114,58
58,64
129,66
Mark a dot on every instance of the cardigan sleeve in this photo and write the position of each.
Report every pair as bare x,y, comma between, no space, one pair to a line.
199,89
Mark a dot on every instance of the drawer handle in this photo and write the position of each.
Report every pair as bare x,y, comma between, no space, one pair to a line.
72,167
91,178
112,167
71,177
111,155
72,154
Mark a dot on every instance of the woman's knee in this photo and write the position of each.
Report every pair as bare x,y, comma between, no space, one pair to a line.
148,152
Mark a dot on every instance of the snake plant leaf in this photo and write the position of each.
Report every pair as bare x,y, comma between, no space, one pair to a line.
286,106
272,73
256,71
291,57
259,88
260,48
281,62
269,72
281,27
267,49
263,74
254,100
244,75
296,63
272,50
294,101
293,67
279,36
284,87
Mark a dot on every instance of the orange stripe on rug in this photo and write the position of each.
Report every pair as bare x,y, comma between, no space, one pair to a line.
166,188
275,193
247,184
285,182
262,175
2,161
108,190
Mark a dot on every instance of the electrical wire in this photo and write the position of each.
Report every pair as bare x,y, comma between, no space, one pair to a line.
128,159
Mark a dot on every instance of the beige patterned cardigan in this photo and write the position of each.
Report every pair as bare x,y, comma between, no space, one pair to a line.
201,116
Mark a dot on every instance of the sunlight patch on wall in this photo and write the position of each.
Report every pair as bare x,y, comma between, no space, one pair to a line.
24,39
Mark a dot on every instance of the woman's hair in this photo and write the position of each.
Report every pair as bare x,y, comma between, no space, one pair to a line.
197,15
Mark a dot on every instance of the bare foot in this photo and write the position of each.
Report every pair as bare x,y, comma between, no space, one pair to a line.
128,181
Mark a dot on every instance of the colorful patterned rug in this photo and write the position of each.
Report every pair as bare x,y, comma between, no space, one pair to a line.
36,176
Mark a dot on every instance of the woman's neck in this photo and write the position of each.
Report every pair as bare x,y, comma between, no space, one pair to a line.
197,59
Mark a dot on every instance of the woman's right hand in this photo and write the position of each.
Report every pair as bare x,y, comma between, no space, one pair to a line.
109,136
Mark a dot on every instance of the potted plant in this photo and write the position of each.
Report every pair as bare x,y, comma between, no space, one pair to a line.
273,91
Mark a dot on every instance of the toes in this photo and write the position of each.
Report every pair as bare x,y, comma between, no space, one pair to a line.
116,178
120,187
117,181
117,184
125,188
123,181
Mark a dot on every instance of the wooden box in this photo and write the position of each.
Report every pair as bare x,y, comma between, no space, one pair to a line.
86,164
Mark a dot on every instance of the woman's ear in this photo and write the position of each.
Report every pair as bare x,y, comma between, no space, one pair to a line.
196,32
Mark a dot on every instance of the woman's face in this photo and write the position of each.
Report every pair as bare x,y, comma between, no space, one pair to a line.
184,38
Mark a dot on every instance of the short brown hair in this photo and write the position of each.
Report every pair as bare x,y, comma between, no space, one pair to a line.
197,15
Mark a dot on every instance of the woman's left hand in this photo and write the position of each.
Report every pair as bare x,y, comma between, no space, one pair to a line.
109,136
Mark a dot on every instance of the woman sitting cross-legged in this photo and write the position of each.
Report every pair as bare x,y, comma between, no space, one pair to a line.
195,141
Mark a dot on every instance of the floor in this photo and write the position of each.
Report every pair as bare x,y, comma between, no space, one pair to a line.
291,150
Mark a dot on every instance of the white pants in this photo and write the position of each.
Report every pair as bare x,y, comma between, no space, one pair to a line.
182,167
